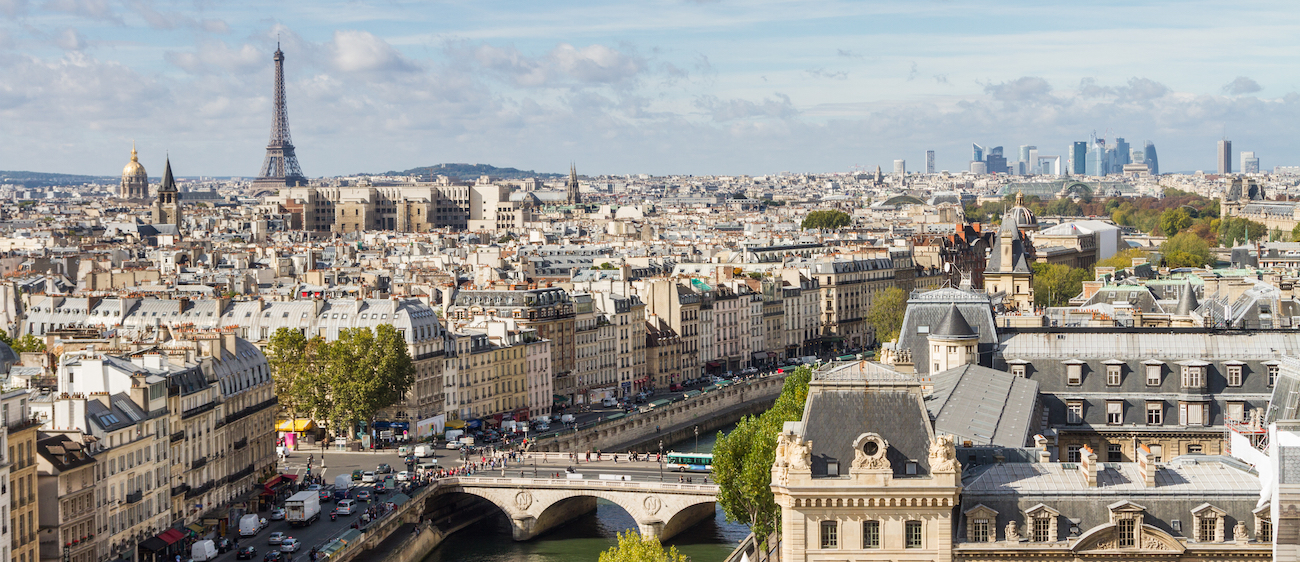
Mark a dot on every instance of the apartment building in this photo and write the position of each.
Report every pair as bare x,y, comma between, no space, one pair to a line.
663,354
595,376
627,317
679,306
66,499
24,523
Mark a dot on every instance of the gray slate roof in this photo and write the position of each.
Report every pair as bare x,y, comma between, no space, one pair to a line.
838,411
984,406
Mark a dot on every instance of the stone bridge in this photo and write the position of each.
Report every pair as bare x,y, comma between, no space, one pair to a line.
537,505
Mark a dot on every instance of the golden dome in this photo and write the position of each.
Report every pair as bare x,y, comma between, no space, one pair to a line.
133,168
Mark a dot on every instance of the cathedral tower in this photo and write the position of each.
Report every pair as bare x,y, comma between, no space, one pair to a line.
135,182
167,207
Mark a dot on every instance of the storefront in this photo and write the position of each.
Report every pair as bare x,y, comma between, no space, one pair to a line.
164,547
274,489
292,432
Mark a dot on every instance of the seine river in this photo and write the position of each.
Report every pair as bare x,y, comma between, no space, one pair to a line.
584,538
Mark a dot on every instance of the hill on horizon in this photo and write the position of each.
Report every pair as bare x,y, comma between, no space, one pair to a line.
473,171
44,179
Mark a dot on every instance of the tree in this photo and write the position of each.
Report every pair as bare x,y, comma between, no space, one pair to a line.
826,220
367,371
632,547
28,343
297,368
742,459
1174,221
1056,284
1295,233
1237,230
886,314
1185,250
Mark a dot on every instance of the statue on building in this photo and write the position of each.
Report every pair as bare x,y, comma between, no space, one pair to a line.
943,455
1013,531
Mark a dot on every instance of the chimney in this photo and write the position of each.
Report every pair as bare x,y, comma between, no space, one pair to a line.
1088,465
1040,443
1146,466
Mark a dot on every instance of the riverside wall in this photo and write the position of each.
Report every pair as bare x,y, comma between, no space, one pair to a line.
642,431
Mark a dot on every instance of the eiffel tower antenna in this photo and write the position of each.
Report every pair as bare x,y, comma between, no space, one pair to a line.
280,168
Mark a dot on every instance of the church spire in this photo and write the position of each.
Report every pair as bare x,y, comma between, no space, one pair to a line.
168,183
572,196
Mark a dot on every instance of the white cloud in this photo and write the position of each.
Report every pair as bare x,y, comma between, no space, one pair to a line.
733,109
91,9
213,56
13,8
70,40
360,51
1241,85
565,65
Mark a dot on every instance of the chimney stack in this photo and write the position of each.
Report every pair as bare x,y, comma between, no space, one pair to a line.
1146,466
1088,465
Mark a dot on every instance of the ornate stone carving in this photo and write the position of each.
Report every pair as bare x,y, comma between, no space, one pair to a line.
869,452
1239,531
1153,543
943,455
652,505
1013,532
782,447
800,455
523,500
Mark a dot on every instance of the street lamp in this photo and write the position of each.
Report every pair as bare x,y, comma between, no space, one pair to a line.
661,460
697,438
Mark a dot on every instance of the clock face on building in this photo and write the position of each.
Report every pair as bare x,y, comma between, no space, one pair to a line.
871,448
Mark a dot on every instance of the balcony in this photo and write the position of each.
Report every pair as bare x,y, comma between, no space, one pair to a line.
199,410
134,497
182,489
196,492
232,418
240,444
199,463
178,436
238,475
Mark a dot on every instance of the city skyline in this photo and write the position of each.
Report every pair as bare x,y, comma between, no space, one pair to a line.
665,88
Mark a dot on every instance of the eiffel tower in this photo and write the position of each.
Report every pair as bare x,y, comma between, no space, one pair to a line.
280,169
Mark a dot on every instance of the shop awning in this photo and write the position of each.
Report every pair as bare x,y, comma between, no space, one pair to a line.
760,355
455,424
171,535
559,398
296,425
197,528
714,364
153,544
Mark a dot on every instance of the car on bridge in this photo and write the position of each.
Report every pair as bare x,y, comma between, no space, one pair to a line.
275,539
246,553
290,545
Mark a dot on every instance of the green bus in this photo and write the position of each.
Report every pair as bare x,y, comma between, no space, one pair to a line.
689,462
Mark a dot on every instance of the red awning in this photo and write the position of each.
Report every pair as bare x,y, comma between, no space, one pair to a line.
289,477
171,536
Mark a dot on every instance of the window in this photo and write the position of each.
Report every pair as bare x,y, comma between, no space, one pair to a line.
1235,411
1191,414
1114,413
1018,371
1114,453
1153,375
829,537
1074,374
870,534
1272,374
1112,375
1043,529
1264,530
913,534
1155,413
1194,449
1074,412
1127,533
1192,377
979,531
1072,453
1206,528
1234,375
1156,451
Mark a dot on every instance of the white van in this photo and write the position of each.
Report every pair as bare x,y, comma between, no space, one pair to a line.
345,507
609,402
202,551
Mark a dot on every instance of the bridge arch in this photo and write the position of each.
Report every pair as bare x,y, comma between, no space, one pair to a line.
535,506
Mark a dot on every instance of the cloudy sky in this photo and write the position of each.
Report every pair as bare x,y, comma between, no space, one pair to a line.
652,86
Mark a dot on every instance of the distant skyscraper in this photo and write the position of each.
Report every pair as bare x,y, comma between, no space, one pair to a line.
1096,159
1225,156
997,163
1079,158
979,168
1024,152
977,153
900,167
1149,155
1249,163
1119,155
929,161
1031,165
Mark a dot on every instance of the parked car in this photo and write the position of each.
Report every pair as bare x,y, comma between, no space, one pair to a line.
454,445
364,495
272,556
404,476
367,477
246,553
313,487
357,475
275,539
346,507
289,545
324,495
225,545
277,514
383,469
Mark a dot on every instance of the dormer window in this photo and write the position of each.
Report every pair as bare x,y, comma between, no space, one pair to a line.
981,524
1127,517
1042,523
1209,523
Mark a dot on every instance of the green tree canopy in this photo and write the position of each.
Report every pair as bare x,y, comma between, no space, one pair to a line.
632,547
742,459
1122,259
1186,250
1174,221
826,220
886,314
1237,230
1056,284
1295,233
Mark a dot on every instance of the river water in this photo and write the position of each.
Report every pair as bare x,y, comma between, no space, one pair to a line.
584,538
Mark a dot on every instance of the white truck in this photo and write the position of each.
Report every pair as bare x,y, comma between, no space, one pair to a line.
302,508
250,525
202,551
422,451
